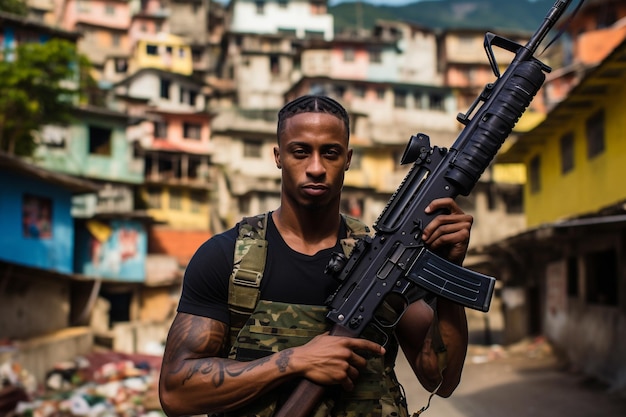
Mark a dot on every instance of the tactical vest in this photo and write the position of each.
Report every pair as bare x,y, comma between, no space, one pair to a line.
260,327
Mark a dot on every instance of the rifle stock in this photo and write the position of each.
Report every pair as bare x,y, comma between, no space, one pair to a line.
395,260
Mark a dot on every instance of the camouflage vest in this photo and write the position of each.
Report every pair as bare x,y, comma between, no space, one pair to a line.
260,327
244,288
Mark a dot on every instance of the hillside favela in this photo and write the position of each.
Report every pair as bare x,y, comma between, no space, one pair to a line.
133,131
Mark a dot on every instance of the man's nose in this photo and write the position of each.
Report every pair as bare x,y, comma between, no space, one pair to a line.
316,166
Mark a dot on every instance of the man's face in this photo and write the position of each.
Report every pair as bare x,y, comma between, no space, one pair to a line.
313,155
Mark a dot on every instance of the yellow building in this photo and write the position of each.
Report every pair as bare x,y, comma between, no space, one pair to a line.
565,277
165,51
576,158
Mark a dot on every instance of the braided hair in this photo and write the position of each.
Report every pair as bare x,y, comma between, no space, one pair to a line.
312,104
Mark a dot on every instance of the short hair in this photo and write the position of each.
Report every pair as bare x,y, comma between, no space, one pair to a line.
312,104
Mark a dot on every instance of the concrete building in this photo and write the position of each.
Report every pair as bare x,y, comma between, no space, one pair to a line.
296,18
175,140
593,33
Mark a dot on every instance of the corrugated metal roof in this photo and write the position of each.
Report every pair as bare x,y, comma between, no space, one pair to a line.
75,185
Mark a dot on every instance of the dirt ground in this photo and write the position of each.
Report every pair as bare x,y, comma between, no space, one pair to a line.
524,380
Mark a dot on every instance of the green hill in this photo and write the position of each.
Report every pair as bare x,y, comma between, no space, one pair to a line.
522,15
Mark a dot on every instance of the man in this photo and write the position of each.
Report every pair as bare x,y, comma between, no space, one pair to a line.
198,377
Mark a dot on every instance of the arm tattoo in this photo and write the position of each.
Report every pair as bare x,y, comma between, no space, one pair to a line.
283,360
198,346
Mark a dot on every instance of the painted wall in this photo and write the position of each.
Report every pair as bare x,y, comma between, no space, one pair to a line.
96,12
37,228
166,52
75,158
593,183
188,214
593,336
112,249
297,15
18,320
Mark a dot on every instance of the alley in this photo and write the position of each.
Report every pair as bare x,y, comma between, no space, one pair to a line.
525,380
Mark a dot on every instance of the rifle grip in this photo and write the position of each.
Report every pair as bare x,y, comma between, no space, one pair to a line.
308,394
303,400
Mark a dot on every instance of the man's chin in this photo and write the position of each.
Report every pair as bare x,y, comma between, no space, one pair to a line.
315,205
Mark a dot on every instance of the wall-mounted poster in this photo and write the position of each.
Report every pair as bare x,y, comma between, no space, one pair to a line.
36,217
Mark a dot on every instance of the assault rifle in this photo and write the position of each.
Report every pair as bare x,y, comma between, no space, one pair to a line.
395,260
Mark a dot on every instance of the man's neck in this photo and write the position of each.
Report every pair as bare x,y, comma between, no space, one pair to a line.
308,231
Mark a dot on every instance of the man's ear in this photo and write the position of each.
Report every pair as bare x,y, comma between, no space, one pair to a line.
277,157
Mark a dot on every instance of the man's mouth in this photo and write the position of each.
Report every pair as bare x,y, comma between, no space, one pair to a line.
315,189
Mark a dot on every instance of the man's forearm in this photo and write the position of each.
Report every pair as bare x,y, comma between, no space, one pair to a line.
453,329
211,385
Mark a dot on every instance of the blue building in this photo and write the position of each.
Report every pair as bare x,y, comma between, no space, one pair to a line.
36,247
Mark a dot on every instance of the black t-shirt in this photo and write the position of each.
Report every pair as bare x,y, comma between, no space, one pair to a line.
289,277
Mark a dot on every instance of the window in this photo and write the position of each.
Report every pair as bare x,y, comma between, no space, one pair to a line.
116,39
567,153
595,134
244,204
165,88
287,31
99,141
274,65
601,277
380,93
154,197
514,201
252,148
176,199
399,98
152,49
160,129
282,4
109,10
375,56
314,34
348,55
192,131
121,65
418,100
436,102
534,176
359,91
260,7
198,199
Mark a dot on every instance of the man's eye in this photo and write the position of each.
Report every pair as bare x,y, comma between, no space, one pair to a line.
331,153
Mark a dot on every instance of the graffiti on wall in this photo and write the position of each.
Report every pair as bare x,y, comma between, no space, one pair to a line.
116,250
36,217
